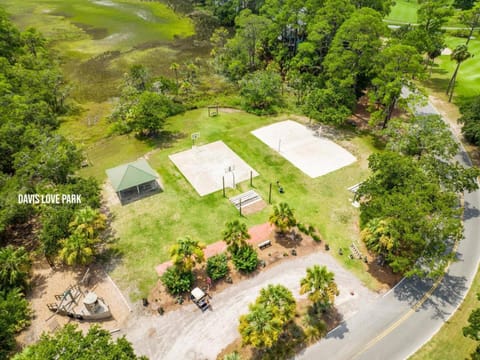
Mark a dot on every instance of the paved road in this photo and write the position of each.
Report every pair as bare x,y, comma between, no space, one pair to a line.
399,323
394,24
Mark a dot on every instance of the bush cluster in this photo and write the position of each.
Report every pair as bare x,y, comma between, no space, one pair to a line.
217,266
245,259
176,281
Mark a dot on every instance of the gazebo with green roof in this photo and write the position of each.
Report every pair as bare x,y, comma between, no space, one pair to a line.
133,179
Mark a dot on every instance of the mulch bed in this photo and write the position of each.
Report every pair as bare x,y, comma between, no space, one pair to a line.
280,250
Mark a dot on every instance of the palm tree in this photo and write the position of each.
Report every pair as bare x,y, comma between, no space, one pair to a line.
89,222
77,249
14,267
174,67
186,253
283,217
459,54
260,327
232,356
320,285
192,70
235,235
280,300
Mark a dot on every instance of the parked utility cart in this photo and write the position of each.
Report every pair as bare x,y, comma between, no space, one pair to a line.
199,297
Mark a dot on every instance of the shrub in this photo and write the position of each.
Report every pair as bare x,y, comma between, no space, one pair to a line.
471,120
316,238
232,356
311,230
302,228
217,266
245,259
176,281
15,316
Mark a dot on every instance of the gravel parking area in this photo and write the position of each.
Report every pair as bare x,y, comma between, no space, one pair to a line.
190,334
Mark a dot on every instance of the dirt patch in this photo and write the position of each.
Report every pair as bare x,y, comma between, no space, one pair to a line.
228,110
253,208
48,282
109,195
383,274
447,51
24,234
449,112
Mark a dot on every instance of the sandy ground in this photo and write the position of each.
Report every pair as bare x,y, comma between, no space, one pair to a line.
205,166
447,51
188,333
47,283
308,150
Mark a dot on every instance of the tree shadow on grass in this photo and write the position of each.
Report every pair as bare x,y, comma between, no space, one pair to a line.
110,258
437,84
163,140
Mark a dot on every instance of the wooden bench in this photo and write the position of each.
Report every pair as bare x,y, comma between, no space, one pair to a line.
355,252
264,244
245,199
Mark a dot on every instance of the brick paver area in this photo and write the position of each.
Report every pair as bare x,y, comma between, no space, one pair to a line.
257,233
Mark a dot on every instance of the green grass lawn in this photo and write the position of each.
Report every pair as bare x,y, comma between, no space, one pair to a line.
404,11
468,79
147,228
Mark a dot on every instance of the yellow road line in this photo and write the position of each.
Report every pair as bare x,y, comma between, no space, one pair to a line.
409,313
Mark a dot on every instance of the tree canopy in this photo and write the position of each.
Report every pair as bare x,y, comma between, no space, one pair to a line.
471,120
406,217
272,311
70,343
15,315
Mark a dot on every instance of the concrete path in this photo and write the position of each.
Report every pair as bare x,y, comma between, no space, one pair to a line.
399,323
190,334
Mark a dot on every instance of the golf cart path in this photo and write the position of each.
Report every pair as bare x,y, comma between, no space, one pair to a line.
188,333
400,322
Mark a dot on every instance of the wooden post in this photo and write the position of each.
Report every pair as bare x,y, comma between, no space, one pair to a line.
251,175
223,183
240,207
270,194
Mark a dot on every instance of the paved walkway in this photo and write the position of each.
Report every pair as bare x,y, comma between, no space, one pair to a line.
188,333
257,233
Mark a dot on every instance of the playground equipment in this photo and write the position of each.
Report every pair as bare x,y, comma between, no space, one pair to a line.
76,304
